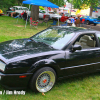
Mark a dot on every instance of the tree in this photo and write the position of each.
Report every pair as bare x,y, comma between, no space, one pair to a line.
35,12
5,4
58,2
80,4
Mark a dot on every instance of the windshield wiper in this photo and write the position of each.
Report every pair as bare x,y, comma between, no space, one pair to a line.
33,40
46,44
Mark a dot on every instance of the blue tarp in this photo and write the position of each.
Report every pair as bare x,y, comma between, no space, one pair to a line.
44,3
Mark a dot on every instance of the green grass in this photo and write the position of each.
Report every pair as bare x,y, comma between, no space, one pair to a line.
77,88
9,29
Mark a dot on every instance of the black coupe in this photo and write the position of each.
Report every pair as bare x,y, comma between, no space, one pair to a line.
51,54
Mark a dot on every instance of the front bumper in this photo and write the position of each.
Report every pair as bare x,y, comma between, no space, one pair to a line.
13,81
96,22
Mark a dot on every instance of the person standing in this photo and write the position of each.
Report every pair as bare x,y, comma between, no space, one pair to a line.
77,22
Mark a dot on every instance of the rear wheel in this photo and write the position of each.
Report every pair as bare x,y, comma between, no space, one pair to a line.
43,80
87,22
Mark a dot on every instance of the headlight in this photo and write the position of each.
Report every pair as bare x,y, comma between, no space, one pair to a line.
2,66
96,21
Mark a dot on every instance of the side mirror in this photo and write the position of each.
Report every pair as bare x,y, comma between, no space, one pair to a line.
76,47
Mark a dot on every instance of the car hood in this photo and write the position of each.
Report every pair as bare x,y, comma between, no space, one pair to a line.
21,47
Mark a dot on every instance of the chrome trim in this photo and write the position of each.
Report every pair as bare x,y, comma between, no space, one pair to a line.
44,87
80,65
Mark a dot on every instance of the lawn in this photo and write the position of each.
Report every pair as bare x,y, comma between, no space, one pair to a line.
76,88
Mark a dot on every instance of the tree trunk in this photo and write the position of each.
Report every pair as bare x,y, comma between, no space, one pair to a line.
35,12
91,10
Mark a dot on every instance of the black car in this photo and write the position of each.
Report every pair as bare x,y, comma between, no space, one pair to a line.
51,54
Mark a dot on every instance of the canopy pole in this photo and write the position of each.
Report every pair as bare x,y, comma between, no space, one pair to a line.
21,4
27,15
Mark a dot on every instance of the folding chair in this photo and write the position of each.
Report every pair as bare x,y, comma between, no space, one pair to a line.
46,19
33,23
40,22
54,22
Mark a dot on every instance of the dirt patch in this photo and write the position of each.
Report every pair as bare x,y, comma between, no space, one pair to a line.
19,25
97,27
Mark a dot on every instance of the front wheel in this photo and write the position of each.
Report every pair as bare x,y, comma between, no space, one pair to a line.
95,24
43,80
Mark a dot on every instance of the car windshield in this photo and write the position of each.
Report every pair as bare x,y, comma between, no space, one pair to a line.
24,8
91,17
51,12
55,37
67,15
41,11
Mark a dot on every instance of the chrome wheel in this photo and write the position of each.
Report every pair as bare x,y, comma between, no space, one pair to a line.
45,81
87,22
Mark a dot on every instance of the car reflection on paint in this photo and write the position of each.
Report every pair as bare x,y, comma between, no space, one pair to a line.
51,54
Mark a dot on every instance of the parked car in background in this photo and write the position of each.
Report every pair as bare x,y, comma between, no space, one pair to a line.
51,54
17,9
90,20
52,14
42,13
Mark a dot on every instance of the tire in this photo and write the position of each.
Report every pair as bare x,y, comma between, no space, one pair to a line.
43,80
95,24
87,22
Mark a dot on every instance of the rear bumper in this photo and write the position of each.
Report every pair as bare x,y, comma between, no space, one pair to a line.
13,81
2,14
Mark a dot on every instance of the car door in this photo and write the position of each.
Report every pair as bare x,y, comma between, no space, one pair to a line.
41,14
82,61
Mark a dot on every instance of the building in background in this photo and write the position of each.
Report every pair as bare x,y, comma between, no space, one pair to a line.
96,13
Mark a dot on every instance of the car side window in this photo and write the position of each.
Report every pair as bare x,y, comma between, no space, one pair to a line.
86,41
17,9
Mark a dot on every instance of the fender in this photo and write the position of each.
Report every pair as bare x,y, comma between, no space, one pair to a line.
44,63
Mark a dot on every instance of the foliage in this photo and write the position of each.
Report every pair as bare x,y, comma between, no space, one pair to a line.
41,8
81,4
9,3
5,4
58,2
1,11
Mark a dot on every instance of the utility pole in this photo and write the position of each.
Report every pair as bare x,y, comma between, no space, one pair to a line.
71,7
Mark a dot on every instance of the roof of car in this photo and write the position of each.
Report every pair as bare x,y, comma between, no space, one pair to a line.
19,6
74,29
